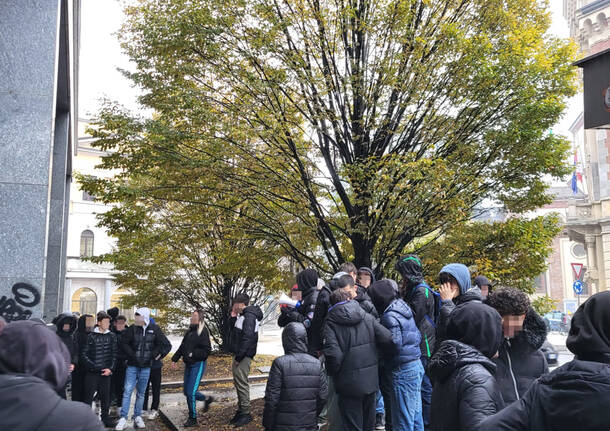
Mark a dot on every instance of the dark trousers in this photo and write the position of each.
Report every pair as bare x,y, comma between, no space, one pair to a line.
94,381
358,413
78,385
155,381
426,395
117,384
385,384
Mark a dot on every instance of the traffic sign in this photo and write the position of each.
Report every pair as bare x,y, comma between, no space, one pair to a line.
577,268
577,286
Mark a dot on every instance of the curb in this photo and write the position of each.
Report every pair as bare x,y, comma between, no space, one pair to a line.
167,421
252,378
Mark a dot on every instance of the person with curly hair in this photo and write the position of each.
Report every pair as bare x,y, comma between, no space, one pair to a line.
520,360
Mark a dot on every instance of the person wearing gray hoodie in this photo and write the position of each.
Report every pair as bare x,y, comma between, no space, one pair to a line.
455,289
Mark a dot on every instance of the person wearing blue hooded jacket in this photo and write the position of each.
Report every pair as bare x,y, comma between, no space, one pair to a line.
455,289
402,360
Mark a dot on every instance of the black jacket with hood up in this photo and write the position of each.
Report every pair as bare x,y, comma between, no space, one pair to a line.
465,391
575,396
296,389
243,337
142,344
67,336
307,282
520,361
351,339
33,367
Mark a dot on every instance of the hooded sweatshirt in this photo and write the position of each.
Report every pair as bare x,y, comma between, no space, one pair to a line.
296,389
33,367
143,344
467,293
462,372
576,395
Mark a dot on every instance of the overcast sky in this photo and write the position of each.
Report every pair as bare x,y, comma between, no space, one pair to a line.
100,56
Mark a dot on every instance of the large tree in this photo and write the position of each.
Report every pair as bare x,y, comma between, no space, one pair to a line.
366,123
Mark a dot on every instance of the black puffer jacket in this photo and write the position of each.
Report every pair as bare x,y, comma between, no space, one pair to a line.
365,302
351,337
575,396
194,347
121,356
421,300
296,389
244,332
67,336
100,351
80,339
465,391
319,317
520,361
143,344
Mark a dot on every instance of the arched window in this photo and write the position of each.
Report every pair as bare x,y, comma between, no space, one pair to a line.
86,244
602,21
84,301
115,301
588,26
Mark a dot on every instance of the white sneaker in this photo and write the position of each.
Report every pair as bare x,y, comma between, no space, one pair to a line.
153,415
120,426
138,422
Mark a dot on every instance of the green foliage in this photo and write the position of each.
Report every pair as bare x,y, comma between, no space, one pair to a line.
441,103
544,304
511,253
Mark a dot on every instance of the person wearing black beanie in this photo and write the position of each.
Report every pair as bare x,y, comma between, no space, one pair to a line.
576,395
465,390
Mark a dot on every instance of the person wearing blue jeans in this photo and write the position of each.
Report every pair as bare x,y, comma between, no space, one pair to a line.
379,412
142,343
194,351
402,360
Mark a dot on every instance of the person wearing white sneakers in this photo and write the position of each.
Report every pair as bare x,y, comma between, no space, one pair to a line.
142,342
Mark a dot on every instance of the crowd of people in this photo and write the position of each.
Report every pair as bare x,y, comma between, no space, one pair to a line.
364,354
360,354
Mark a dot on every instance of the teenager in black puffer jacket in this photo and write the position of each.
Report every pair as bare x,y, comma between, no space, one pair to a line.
520,361
465,391
296,389
351,337
576,395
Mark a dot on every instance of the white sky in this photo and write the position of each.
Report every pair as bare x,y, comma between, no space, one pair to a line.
100,55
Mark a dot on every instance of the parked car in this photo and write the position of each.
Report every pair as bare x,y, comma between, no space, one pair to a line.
557,321
550,353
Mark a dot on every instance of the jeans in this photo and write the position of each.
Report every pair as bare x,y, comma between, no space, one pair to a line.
135,377
406,399
426,394
192,379
154,382
380,407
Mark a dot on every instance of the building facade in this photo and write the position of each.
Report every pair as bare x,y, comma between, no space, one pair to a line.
89,287
588,217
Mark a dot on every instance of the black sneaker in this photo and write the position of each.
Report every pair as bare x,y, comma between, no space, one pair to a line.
190,422
237,415
243,420
109,423
206,404
379,421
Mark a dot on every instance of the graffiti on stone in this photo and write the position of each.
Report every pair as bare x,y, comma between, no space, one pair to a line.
25,297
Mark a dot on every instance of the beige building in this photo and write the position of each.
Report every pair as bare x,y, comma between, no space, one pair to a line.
588,217
89,287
